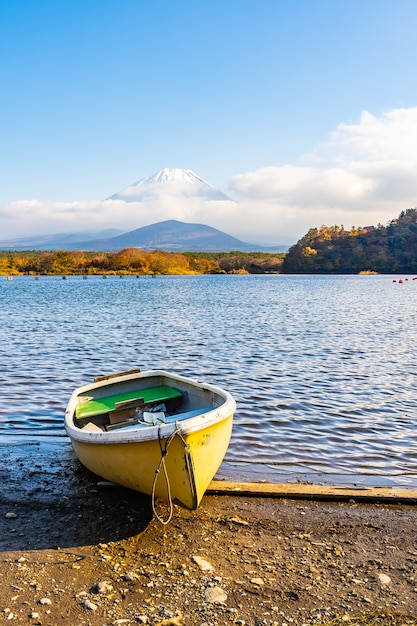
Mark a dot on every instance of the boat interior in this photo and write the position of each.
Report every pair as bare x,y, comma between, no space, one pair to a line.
142,402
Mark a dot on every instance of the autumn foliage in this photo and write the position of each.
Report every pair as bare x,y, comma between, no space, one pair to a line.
135,261
390,249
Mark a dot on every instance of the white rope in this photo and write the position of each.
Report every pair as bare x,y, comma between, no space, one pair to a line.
171,506
164,452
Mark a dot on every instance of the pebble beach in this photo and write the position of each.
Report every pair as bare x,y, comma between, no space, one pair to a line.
78,551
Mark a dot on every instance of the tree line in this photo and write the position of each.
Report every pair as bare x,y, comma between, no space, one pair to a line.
390,249
136,261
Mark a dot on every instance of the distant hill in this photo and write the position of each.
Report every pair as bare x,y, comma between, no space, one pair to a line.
175,236
169,235
60,241
390,249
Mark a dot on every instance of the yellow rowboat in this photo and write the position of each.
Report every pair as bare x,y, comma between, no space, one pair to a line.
158,433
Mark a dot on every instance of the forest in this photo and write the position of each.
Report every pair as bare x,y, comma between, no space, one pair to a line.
390,249
138,262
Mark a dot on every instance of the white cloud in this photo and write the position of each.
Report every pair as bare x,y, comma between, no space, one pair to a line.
301,186
391,136
26,217
364,174
367,176
30,217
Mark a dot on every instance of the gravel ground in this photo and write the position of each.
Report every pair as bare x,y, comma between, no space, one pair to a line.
76,552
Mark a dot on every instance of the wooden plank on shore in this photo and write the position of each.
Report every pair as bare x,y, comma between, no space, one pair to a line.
301,491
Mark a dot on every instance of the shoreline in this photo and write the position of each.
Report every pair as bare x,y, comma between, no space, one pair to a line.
247,472
78,552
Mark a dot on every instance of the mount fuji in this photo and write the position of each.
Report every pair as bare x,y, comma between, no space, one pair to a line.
173,182
168,187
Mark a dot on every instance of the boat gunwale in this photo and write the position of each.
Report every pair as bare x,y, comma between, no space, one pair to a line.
186,426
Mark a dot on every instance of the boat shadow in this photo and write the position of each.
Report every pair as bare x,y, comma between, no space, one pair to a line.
49,500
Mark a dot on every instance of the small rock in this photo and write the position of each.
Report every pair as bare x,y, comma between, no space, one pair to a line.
45,601
142,619
204,565
238,520
215,595
384,579
104,587
130,576
171,621
257,581
11,515
89,605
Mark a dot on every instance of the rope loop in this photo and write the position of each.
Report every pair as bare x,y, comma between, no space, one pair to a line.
161,465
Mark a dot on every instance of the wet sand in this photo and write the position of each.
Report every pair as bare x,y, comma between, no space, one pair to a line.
76,552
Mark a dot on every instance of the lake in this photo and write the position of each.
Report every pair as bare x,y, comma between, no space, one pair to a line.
323,368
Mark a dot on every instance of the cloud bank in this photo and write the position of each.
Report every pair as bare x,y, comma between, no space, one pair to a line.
365,173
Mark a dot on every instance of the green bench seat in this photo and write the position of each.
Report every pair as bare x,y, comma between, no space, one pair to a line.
107,404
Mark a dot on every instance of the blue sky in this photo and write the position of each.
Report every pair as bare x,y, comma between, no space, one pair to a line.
305,111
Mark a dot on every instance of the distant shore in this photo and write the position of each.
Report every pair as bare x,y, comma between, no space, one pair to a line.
137,262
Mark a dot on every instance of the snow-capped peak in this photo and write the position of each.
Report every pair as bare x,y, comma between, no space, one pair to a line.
173,181
174,175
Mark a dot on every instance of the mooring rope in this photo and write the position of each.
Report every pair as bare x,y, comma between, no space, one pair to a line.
164,452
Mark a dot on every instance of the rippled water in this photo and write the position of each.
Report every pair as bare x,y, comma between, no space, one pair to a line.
323,368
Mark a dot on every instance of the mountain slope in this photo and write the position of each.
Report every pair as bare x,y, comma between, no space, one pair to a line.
173,182
169,235
172,235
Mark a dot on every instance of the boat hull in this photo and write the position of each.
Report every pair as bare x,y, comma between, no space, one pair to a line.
175,462
190,466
